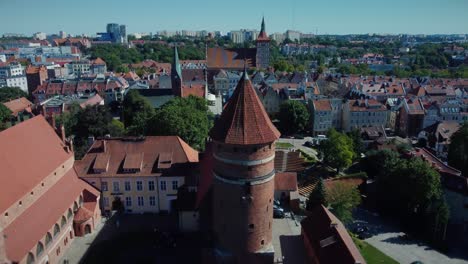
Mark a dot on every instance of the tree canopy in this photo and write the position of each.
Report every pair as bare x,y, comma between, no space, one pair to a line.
137,111
293,117
458,149
317,196
343,198
409,189
5,114
9,93
337,150
187,118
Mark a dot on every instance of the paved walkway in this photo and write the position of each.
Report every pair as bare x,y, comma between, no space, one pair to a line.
299,144
287,241
389,239
80,246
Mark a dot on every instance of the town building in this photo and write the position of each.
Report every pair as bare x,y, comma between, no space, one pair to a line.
243,143
36,75
293,35
322,118
21,110
363,112
43,203
139,175
411,117
263,48
12,75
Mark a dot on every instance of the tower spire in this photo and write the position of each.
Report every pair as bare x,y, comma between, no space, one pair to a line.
263,24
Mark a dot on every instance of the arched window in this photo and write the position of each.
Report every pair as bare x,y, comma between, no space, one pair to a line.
48,239
39,249
70,214
63,222
75,207
81,200
30,259
56,230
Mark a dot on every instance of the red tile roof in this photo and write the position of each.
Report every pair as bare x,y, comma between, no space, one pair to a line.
322,105
18,105
195,89
33,224
244,120
220,58
286,181
329,238
30,151
143,153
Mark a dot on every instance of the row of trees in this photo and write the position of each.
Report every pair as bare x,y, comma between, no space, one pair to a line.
187,118
117,55
409,190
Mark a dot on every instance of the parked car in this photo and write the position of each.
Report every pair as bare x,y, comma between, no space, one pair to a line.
309,144
276,202
277,213
277,207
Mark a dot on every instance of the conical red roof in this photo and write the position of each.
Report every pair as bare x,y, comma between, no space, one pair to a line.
244,120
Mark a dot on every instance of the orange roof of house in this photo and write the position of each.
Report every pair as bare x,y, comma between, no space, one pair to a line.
98,61
196,89
95,100
322,105
31,150
244,120
33,224
143,153
18,105
329,238
286,181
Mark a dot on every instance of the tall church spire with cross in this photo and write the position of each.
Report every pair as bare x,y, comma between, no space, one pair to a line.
263,48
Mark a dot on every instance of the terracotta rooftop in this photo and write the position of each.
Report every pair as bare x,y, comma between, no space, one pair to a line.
286,181
322,105
31,226
220,58
329,238
244,120
18,105
29,152
144,154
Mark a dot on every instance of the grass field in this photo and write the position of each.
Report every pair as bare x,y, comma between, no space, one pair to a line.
284,145
371,254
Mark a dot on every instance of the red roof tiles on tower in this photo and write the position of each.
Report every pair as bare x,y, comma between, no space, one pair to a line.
244,120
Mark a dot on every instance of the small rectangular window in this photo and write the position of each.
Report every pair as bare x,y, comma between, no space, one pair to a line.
104,186
127,186
140,201
139,185
128,201
163,185
175,185
151,185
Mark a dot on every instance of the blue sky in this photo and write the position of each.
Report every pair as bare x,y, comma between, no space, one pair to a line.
326,16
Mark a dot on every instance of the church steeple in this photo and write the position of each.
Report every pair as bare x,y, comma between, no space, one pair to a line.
263,25
176,74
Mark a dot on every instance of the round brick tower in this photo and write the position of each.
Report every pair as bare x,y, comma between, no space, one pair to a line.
243,188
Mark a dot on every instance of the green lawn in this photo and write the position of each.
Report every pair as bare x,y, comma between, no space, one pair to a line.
284,145
371,254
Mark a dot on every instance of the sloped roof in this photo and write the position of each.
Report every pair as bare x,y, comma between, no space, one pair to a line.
244,120
31,226
29,152
145,151
18,105
220,58
329,238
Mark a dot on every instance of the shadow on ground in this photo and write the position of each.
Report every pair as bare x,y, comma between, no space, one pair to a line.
143,239
292,249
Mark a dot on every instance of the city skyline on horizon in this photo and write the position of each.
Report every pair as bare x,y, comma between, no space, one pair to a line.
334,17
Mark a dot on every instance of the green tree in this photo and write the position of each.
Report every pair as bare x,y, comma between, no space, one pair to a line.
137,111
358,145
187,118
9,93
343,198
337,150
458,149
5,115
293,117
317,196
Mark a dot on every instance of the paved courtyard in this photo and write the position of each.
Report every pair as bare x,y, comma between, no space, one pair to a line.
287,241
389,239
